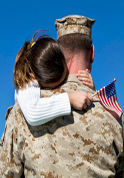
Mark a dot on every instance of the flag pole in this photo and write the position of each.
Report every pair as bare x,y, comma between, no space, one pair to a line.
94,94
96,91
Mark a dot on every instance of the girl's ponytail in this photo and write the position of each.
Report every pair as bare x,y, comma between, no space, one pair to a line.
22,70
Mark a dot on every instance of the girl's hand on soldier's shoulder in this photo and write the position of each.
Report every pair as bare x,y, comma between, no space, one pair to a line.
80,100
86,78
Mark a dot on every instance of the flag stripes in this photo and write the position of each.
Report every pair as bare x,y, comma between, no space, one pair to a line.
108,98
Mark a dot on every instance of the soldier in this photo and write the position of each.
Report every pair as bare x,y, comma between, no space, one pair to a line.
84,144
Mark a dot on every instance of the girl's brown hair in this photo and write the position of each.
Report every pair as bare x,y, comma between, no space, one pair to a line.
42,58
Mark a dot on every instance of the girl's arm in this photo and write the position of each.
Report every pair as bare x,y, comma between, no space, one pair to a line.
37,110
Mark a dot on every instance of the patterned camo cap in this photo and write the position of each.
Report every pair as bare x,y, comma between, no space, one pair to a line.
74,24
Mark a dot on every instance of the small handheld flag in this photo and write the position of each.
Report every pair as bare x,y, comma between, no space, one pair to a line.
108,98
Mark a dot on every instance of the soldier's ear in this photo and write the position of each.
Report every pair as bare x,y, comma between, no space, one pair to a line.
92,53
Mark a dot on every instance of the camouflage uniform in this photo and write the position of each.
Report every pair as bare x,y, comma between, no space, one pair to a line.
82,145
119,166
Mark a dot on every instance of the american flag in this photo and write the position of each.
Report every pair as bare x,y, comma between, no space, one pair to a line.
108,98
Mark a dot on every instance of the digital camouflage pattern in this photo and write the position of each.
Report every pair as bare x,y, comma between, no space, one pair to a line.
119,166
82,145
74,24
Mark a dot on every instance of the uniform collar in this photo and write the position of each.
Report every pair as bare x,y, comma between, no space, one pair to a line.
73,78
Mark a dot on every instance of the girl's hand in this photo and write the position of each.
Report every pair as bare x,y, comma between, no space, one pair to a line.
86,78
80,100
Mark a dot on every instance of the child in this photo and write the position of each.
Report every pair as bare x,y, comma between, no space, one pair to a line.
41,64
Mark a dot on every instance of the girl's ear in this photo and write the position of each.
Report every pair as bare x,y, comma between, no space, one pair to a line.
92,53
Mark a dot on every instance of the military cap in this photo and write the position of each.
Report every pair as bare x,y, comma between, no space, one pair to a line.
73,24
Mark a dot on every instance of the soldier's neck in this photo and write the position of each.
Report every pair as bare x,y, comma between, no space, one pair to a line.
78,62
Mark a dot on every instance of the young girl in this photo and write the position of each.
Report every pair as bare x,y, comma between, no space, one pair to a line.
41,64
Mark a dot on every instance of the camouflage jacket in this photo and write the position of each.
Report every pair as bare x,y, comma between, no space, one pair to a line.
82,145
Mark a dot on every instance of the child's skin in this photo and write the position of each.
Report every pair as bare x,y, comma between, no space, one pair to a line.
83,99
86,78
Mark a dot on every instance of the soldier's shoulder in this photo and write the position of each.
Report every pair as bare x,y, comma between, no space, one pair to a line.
102,114
8,112
13,111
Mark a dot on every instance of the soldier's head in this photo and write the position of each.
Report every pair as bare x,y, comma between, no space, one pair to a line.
41,59
74,36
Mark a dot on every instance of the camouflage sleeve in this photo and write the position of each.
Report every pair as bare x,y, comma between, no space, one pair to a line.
123,128
119,166
10,164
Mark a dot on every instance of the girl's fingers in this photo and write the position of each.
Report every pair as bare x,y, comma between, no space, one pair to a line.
82,72
88,102
84,79
83,75
87,84
88,70
85,106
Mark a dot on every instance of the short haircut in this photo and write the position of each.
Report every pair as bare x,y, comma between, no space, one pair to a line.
75,42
